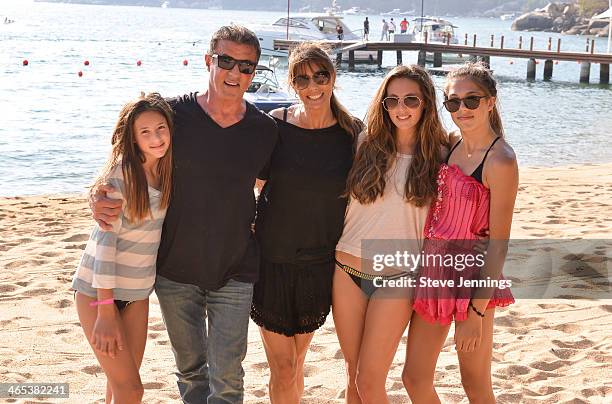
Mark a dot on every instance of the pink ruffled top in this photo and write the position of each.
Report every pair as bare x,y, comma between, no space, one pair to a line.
459,212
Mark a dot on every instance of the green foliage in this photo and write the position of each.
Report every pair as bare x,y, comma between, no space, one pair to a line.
592,7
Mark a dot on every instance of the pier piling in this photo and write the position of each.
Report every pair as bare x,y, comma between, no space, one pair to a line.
437,62
585,72
399,57
531,69
351,61
604,73
379,56
422,59
548,69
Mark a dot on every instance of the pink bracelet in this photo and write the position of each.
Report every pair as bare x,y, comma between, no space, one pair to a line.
99,302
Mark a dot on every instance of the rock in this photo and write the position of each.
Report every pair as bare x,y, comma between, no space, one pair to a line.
599,32
553,9
534,21
575,30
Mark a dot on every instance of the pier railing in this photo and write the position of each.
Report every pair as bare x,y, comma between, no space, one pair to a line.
469,47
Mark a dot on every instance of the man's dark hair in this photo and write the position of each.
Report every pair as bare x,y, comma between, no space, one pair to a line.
237,34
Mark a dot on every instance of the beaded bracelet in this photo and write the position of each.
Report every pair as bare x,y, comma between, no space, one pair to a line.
100,302
476,310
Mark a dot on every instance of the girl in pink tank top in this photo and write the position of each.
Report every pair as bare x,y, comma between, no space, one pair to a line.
476,193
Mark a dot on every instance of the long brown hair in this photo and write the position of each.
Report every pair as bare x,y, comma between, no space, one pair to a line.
125,152
366,181
479,74
306,53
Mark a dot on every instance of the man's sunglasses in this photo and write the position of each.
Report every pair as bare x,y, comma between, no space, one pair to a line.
302,81
410,101
227,63
471,102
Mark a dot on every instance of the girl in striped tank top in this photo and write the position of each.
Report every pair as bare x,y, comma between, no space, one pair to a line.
477,189
117,271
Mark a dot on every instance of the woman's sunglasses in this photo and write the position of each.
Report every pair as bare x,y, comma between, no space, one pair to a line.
410,101
302,81
471,102
226,62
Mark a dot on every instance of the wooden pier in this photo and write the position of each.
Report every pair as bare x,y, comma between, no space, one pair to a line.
483,53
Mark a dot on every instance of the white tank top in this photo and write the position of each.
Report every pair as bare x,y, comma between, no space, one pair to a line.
390,217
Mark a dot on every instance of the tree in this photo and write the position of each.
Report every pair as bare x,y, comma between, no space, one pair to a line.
592,7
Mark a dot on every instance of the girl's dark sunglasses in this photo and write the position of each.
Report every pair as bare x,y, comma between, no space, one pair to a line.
226,62
471,102
410,101
302,81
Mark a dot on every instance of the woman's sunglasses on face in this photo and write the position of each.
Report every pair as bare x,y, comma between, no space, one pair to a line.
226,62
321,78
471,102
409,101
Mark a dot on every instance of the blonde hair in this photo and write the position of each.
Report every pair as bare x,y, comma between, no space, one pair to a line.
479,74
366,180
306,53
125,152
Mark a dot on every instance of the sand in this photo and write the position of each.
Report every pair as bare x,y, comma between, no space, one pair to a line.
545,351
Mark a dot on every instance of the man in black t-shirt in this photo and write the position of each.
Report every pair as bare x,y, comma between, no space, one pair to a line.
208,259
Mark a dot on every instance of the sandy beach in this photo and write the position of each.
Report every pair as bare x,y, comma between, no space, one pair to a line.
545,351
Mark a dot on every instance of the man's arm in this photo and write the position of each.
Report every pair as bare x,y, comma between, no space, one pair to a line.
104,210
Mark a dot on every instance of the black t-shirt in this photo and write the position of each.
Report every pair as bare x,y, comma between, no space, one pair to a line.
207,238
301,209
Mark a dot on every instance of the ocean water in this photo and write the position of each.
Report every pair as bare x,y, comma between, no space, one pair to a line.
56,126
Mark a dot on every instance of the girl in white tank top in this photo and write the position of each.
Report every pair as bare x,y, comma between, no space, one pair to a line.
390,186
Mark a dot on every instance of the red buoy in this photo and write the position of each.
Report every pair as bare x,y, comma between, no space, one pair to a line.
185,62
25,62
86,63
138,63
80,73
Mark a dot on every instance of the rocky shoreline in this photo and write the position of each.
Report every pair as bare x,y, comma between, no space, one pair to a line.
563,18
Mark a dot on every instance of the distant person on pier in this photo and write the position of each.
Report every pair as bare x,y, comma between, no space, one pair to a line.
366,29
404,26
340,31
385,31
392,27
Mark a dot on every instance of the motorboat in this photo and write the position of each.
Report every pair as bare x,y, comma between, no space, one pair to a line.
436,29
308,27
266,92
353,11
508,17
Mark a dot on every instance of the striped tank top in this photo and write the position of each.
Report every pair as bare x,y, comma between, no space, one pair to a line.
124,258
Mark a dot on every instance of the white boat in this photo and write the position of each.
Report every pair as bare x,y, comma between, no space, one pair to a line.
436,29
165,4
308,27
265,91
507,17
353,11
392,13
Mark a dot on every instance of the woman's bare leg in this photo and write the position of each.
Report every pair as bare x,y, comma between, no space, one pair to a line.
475,366
349,305
425,341
121,372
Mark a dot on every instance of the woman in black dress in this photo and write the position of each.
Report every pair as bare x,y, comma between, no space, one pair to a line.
300,218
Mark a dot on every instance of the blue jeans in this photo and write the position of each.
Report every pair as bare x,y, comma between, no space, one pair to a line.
208,359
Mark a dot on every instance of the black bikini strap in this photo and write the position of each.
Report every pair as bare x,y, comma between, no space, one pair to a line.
452,150
489,149
285,114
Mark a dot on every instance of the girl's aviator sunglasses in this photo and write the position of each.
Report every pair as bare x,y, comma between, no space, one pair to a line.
409,101
226,62
302,81
470,102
